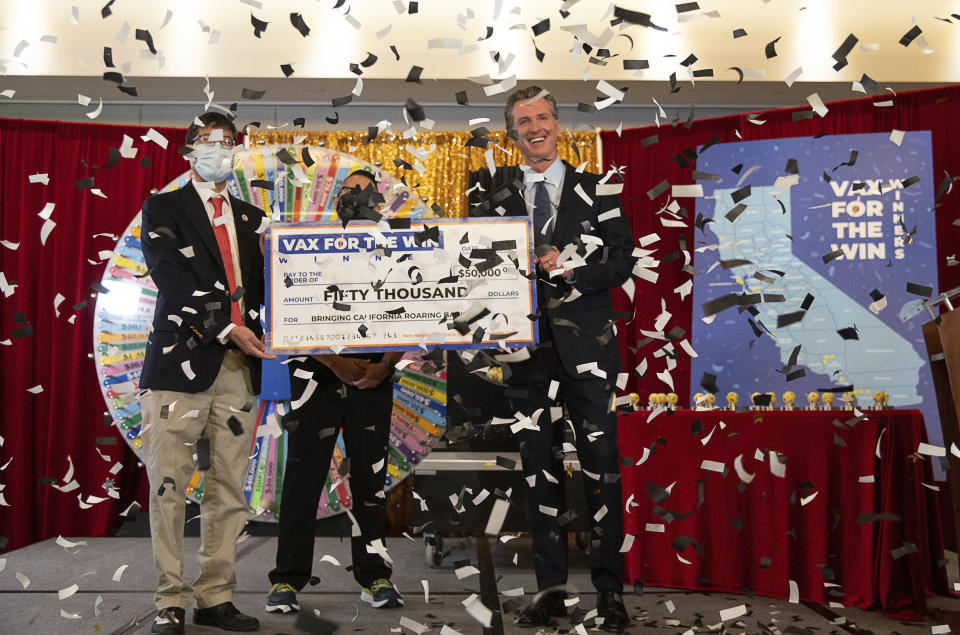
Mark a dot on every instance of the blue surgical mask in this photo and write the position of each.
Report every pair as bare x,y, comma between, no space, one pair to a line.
212,161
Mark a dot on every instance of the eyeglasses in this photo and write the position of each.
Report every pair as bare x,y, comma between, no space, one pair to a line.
204,139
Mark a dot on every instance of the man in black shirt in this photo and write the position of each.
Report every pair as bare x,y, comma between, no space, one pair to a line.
353,394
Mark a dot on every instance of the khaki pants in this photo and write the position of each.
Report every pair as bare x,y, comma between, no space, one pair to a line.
168,447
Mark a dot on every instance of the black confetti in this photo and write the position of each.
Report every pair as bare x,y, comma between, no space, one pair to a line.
833,255
235,426
413,77
770,49
297,21
919,289
259,26
910,35
144,36
636,17
841,53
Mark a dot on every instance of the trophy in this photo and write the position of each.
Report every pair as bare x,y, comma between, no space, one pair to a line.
788,399
711,400
880,400
812,399
672,401
773,400
698,399
827,400
849,400
732,400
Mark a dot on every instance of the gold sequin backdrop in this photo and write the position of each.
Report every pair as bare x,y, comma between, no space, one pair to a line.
447,167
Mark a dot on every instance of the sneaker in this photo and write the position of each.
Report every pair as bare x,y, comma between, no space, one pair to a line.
382,595
282,599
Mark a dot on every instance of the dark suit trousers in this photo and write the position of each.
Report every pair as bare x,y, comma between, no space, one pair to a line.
366,427
587,399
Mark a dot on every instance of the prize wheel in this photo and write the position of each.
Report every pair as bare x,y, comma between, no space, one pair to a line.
290,183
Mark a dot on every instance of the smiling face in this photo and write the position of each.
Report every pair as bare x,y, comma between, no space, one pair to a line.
537,132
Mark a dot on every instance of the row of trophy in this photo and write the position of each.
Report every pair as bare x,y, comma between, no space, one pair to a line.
766,401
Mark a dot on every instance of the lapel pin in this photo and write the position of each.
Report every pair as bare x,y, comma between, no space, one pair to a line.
243,217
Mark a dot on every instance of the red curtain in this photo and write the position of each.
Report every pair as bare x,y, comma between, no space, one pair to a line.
67,419
647,162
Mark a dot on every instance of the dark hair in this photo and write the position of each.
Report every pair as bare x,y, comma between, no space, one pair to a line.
362,172
215,119
527,93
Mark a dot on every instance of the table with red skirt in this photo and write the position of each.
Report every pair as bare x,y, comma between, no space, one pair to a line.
825,506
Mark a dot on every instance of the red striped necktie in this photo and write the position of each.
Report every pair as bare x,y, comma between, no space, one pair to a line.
226,254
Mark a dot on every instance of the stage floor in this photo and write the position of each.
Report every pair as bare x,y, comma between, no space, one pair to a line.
127,605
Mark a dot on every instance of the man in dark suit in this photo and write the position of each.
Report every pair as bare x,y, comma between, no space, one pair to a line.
202,369
584,249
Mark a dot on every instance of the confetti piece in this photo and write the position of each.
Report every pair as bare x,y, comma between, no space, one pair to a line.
119,572
63,594
817,104
66,544
156,137
794,593
931,450
732,613
478,611
416,627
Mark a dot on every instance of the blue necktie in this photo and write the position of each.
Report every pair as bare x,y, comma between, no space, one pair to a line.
541,212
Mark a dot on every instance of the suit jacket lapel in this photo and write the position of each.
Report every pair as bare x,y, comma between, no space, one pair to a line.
197,214
243,245
569,200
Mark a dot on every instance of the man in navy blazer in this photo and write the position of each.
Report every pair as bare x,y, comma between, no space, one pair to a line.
202,372
584,249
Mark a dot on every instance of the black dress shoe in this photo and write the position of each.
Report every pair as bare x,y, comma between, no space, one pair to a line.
610,607
225,616
539,612
169,621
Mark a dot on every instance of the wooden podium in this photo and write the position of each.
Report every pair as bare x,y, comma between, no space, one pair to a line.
942,338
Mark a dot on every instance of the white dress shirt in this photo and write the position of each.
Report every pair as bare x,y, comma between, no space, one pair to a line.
226,216
553,179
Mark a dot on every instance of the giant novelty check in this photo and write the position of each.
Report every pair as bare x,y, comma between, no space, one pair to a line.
452,283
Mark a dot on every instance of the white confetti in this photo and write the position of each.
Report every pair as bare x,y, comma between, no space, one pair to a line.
156,137
63,594
931,450
733,612
66,544
119,572
817,104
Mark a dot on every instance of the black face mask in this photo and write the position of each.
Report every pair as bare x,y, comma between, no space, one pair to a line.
359,203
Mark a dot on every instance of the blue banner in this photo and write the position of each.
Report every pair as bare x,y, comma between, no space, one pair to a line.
819,244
